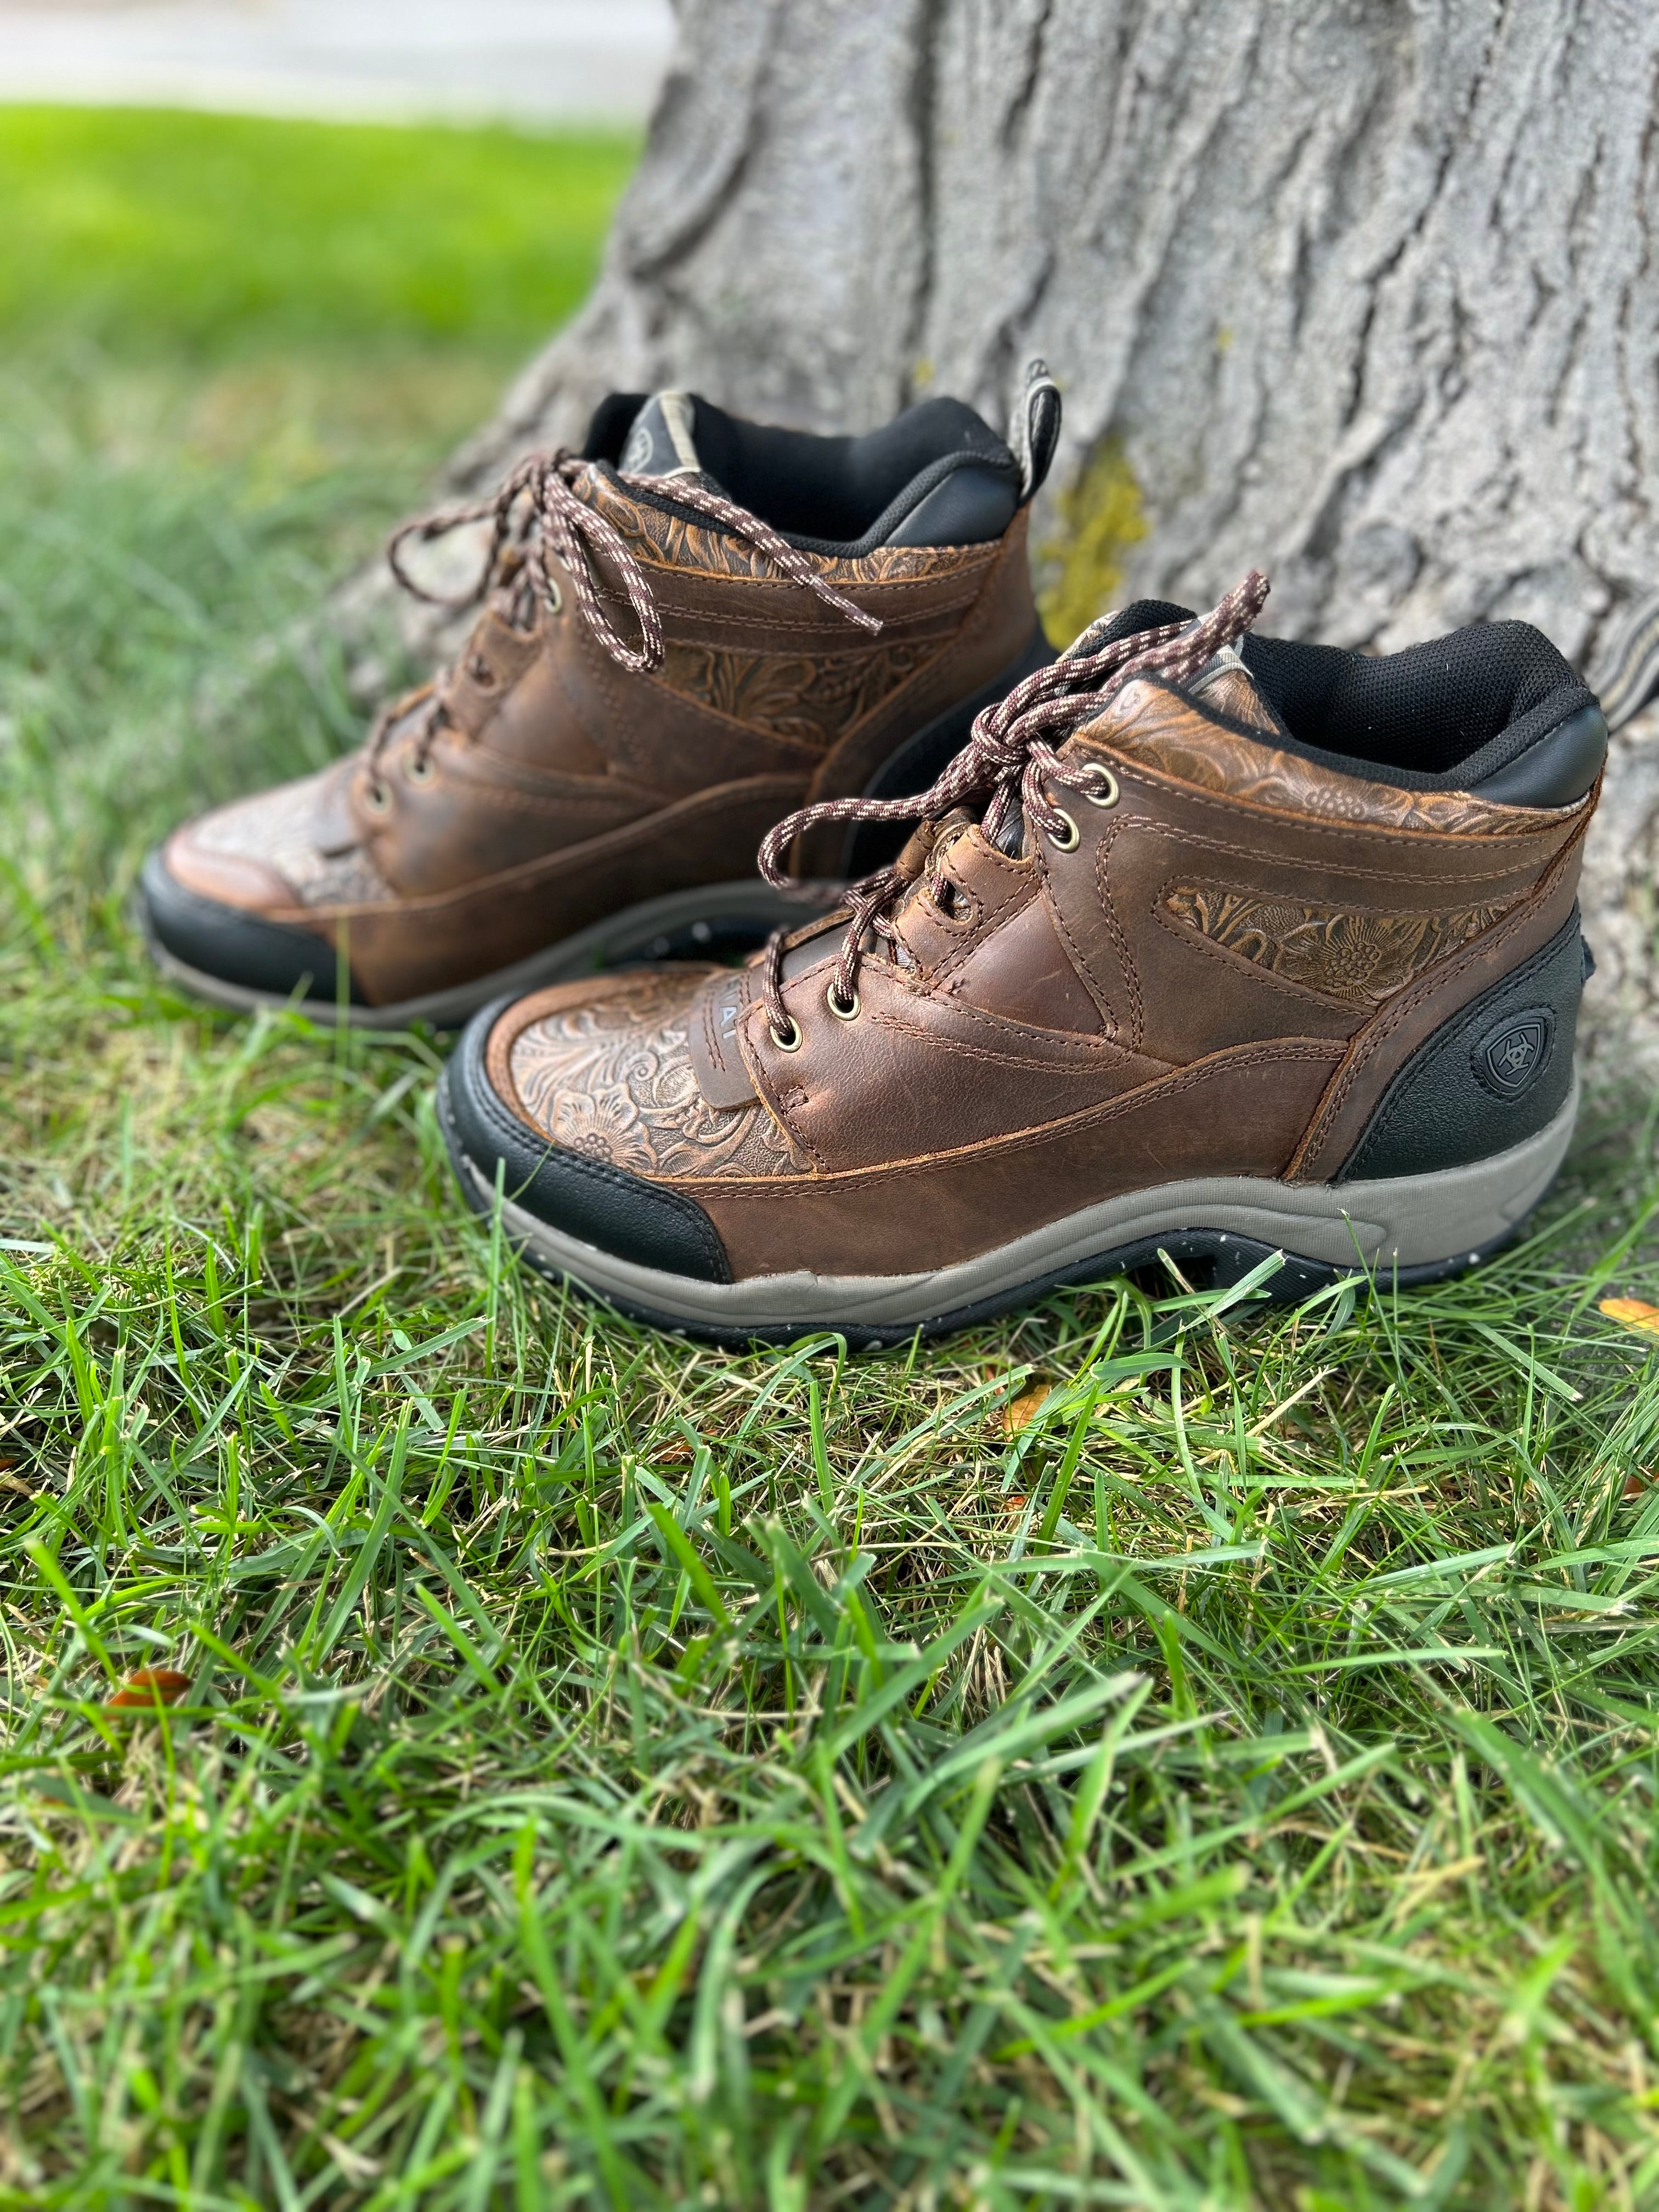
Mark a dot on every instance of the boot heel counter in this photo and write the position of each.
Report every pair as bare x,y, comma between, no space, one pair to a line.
1494,1073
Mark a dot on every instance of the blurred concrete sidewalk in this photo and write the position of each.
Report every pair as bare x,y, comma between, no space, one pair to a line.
525,61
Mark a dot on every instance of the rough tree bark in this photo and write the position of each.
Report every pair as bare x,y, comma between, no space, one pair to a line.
1357,290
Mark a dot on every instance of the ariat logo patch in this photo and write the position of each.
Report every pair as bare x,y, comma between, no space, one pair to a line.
1511,1056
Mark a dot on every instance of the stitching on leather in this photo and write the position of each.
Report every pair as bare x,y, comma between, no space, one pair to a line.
481,1095
642,830
1515,866
1029,1139
1137,768
759,737
1116,932
985,1017
711,1042
1074,952
1437,1048
798,639
968,928
535,1005
782,1104
617,739
1368,1044
1256,972
558,807
1236,965
978,926
981,616
840,573
214,911
1370,1041
884,1018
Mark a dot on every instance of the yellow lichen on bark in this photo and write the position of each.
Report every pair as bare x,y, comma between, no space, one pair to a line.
1101,517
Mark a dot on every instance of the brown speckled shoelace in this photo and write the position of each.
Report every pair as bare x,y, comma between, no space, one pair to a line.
553,513
1009,757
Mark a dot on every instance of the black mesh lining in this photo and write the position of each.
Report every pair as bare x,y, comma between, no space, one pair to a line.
840,494
1437,716
612,420
1440,716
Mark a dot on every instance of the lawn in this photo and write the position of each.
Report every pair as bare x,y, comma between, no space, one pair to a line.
1155,1752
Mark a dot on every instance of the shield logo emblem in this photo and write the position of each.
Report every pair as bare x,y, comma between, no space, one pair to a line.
1510,1058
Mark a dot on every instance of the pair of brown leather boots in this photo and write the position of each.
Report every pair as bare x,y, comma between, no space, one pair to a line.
1200,942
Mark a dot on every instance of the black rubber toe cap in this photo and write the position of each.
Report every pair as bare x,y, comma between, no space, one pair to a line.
234,946
590,1200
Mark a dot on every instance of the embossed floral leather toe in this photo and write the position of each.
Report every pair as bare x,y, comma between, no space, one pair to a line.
691,626
1208,944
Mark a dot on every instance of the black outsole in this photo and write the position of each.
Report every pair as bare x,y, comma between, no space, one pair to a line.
272,962
1227,1258
724,938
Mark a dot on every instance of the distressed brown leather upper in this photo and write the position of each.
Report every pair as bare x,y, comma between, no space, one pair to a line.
1219,979
561,787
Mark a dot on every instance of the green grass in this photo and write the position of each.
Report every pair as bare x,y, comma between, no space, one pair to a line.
619,1774
217,237
292,300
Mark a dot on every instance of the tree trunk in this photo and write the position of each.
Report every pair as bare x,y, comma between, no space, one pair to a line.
1359,290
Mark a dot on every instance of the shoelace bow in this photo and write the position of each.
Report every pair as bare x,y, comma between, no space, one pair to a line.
553,514
1008,755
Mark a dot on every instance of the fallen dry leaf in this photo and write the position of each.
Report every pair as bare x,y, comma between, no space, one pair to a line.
1634,1313
1635,1486
1024,1408
148,1686
351,2163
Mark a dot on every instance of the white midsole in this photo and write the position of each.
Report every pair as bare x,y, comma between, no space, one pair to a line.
1405,1221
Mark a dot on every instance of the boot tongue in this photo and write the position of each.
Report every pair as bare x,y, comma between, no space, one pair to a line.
663,440
1224,683
1227,687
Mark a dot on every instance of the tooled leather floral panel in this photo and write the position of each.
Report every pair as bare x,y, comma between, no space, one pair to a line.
613,1078
279,827
1357,958
1169,735
812,701
676,543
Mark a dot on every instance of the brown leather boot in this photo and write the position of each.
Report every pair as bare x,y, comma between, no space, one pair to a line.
695,625
1212,946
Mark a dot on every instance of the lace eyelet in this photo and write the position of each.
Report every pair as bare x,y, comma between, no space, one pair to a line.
418,767
848,1013
1069,838
789,1040
377,799
1102,790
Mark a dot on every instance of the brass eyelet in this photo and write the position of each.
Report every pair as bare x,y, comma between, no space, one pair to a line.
376,798
418,767
1101,789
1070,838
789,1040
848,1013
